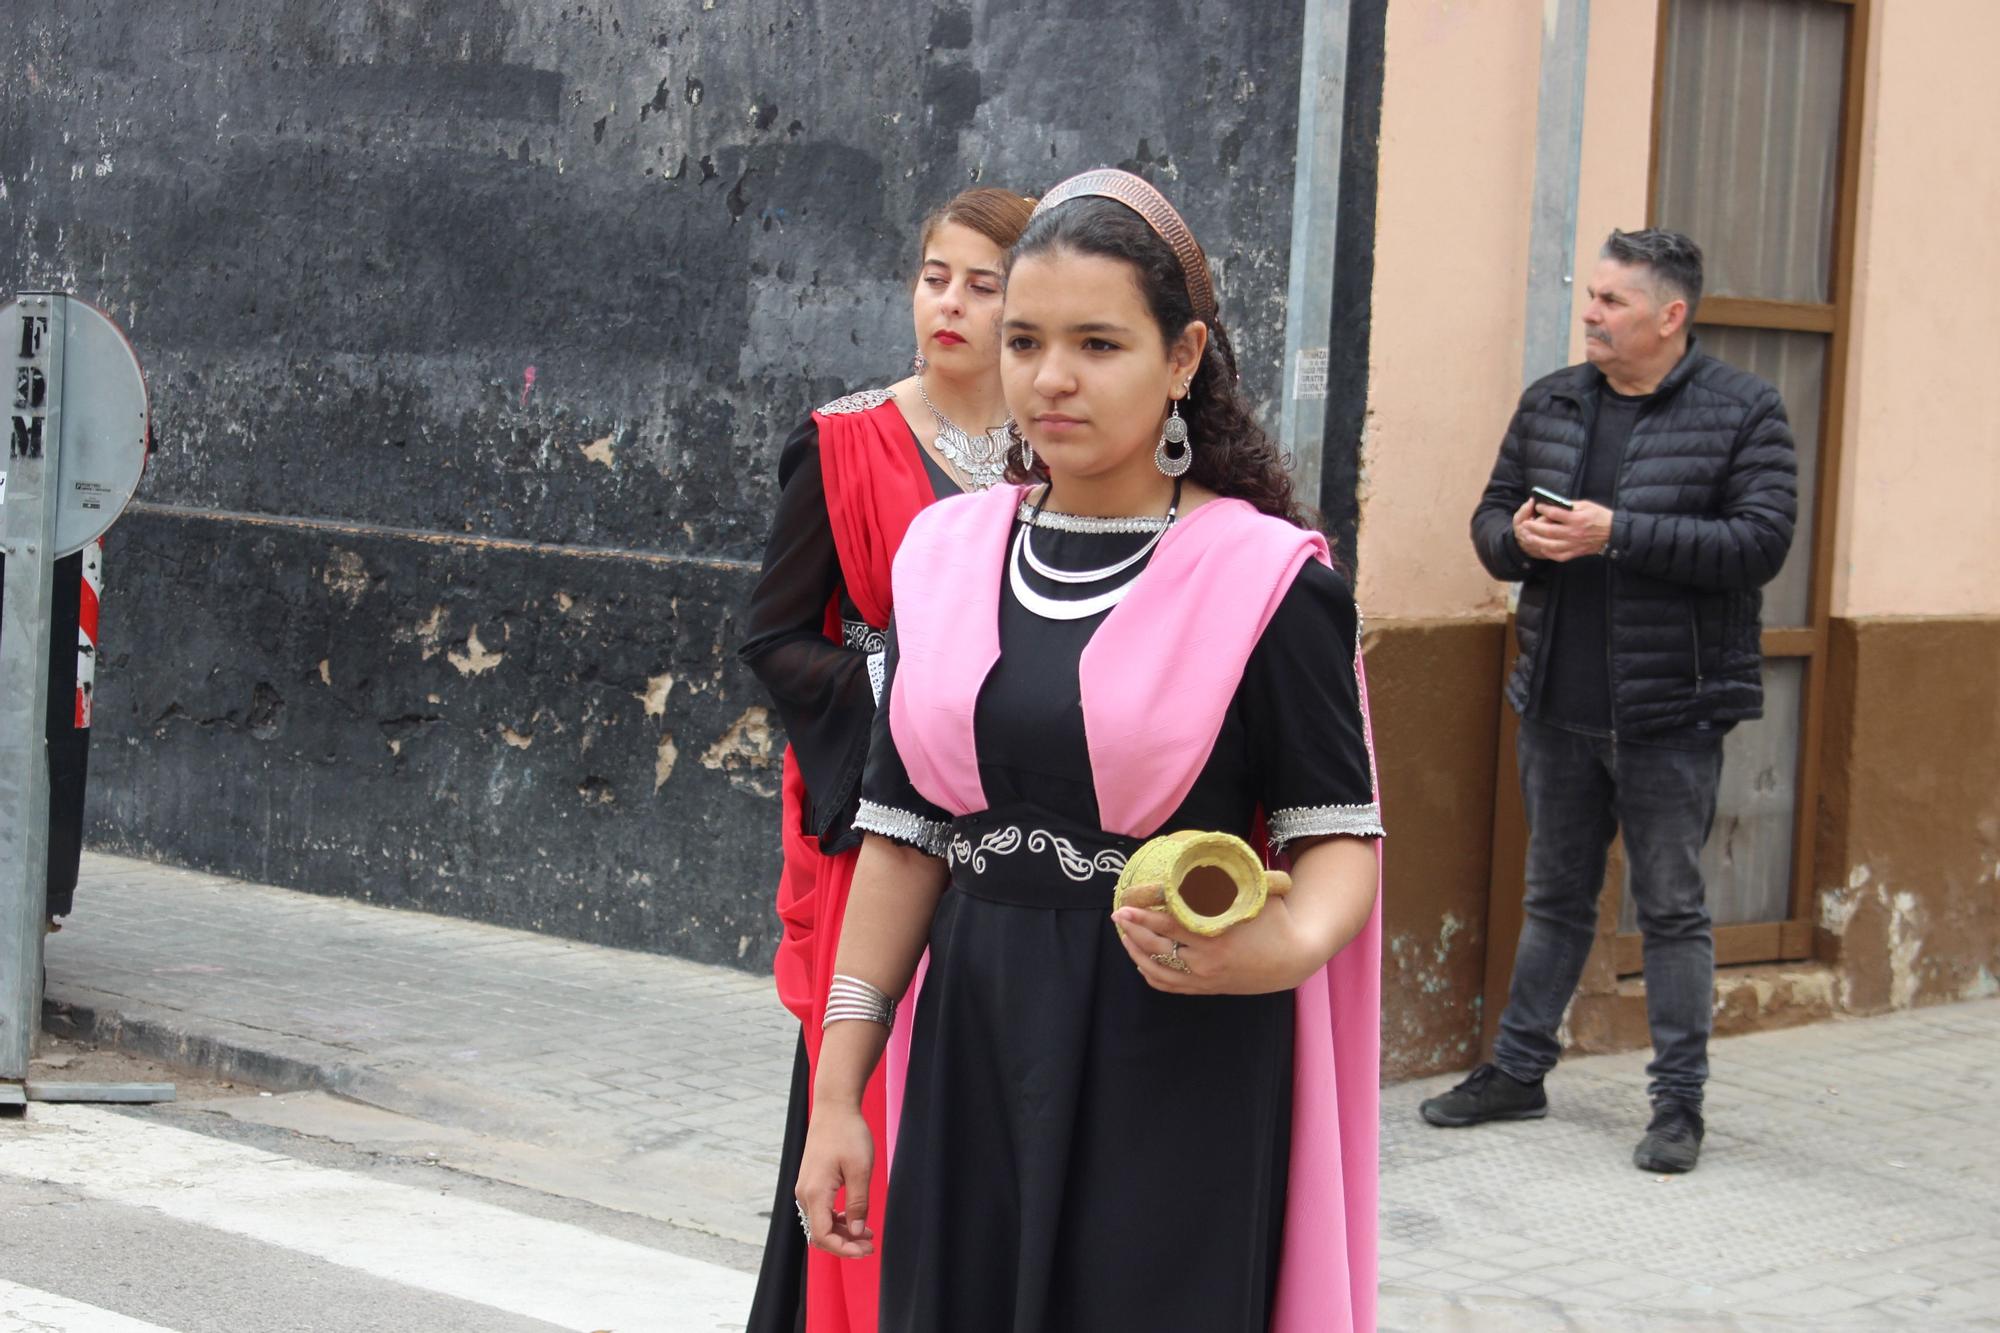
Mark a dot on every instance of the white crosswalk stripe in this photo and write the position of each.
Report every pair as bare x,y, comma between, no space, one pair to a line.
473,1251
25,1310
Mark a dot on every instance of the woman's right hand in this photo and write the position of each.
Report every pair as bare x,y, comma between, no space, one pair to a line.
839,1154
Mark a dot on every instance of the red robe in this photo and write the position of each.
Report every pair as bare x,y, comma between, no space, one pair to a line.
875,484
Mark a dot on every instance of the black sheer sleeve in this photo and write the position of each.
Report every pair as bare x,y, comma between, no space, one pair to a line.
890,805
821,689
1302,713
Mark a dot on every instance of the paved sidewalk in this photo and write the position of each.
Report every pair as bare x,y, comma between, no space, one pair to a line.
1849,1181
654,1084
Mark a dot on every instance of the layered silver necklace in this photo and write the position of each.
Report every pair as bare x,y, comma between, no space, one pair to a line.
1059,608
980,459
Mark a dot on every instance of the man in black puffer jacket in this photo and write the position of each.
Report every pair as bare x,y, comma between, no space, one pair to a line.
1668,494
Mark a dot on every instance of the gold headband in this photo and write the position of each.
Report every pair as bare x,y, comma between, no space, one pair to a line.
1152,206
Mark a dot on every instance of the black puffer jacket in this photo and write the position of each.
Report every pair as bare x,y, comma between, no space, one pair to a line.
1706,500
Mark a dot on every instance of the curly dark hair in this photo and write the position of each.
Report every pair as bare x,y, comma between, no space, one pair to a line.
1233,454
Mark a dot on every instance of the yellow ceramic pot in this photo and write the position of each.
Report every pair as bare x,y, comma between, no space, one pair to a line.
1207,882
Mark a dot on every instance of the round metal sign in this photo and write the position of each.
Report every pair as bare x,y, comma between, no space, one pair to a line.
103,417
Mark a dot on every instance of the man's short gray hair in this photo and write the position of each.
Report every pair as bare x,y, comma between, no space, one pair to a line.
1672,258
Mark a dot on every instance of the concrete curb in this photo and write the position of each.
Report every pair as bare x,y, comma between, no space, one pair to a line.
286,1062
504,1138
281,1062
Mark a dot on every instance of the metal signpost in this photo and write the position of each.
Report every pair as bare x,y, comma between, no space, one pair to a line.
1558,176
76,447
1315,217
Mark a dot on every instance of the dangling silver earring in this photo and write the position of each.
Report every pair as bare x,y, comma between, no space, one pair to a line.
1021,442
918,365
1174,433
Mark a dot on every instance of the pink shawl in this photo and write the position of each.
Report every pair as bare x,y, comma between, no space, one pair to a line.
1211,588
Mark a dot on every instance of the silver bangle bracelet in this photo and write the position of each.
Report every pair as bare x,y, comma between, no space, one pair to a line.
850,998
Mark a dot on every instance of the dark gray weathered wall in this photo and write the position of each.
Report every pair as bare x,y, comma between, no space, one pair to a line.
473,327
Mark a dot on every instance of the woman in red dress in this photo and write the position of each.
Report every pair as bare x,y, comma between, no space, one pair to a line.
851,478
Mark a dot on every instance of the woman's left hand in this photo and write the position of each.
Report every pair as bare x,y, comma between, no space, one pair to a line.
1264,954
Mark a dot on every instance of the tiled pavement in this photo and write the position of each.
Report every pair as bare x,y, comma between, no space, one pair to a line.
1850,1178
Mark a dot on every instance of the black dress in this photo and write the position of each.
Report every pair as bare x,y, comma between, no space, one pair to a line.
820,688
826,701
1078,1151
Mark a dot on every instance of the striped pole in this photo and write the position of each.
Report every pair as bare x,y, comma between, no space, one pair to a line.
86,630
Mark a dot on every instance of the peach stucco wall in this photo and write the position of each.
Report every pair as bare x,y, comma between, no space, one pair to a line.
1452,225
1921,475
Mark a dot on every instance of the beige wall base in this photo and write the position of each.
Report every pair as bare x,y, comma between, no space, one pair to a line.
1434,691
1908,909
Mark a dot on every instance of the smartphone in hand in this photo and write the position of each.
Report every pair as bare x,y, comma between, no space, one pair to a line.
1543,495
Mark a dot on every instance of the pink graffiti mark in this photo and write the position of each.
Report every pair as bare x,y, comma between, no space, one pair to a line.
527,386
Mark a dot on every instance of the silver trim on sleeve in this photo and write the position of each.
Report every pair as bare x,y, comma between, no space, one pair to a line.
928,836
1321,821
865,401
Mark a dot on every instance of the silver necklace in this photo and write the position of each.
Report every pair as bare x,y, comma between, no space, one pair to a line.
1048,571
1032,513
1054,608
982,460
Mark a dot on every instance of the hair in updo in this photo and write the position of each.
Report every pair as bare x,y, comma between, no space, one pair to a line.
1233,454
998,215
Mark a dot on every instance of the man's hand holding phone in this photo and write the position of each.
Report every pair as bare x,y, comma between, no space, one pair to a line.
1551,526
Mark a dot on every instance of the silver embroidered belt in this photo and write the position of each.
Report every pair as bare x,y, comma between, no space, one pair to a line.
863,637
1036,862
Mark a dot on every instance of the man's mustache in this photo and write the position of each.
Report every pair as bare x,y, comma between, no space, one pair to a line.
1598,335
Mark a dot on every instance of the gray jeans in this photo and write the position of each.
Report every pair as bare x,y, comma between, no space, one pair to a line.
1579,790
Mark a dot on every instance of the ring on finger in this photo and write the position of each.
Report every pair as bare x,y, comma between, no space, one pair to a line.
805,1223
1172,958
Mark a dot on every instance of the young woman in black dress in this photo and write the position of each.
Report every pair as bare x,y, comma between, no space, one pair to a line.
1130,1128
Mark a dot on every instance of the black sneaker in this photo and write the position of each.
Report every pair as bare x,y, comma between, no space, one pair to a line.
1673,1139
1488,1093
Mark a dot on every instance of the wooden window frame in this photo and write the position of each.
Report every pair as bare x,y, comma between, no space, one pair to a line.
1760,942
1792,938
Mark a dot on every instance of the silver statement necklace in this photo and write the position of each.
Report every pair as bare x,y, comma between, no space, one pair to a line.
980,459
1057,608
